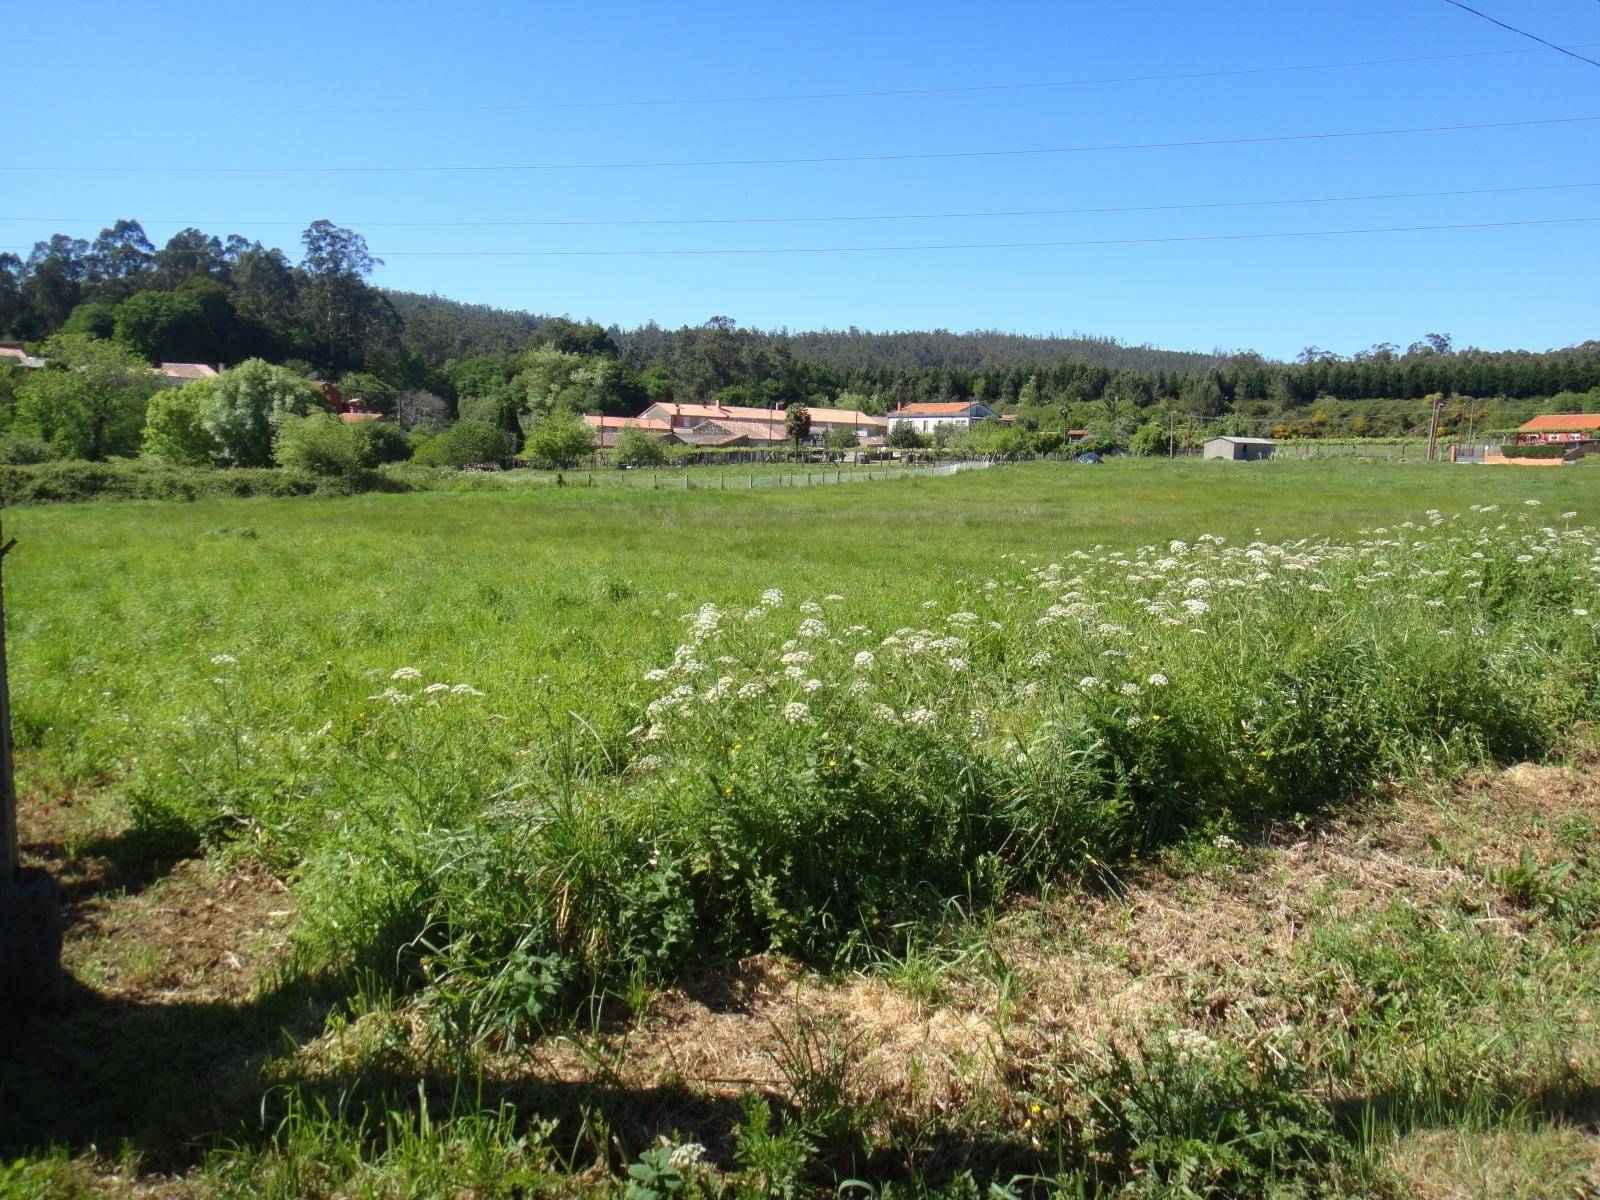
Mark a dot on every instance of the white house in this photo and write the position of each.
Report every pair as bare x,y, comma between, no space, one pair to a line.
925,418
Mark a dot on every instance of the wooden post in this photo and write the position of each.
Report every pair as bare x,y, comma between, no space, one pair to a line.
8,778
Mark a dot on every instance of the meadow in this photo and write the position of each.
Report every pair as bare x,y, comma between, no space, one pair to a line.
527,761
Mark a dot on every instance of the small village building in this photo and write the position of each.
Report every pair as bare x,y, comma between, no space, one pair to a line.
179,372
1074,436
606,429
1555,428
1239,449
759,427
925,418
14,352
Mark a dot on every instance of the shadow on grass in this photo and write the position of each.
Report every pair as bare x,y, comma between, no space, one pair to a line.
124,863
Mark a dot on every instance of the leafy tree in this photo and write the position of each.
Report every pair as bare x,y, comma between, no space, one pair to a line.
639,448
382,443
90,401
842,438
797,423
11,304
175,427
559,440
1149,440
586,339
119,258
93,318
905,437
188,254
246,404
162,326
344,313
318,444
464,444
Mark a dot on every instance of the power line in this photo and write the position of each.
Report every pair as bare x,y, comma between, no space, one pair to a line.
1522,33
931,216
815,160
900,92
1135,241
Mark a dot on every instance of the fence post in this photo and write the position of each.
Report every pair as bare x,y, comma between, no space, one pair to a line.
30,908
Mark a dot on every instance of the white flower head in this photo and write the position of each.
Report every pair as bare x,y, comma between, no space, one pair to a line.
406,674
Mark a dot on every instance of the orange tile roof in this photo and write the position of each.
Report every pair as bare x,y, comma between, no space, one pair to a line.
186,370
648,424
355,418
845,416
1561,423
939,408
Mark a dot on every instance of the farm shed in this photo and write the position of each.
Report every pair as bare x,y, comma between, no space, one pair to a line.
1239,449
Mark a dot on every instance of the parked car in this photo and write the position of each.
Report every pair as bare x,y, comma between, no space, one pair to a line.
1088,456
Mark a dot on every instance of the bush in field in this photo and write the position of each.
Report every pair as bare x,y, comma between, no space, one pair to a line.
318,444
382,443
464,444
175,428
559,440
21,449
1149,440
244,405
89,402
639,449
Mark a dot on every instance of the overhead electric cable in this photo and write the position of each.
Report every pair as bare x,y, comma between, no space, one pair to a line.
1131,241
882,93
930,216
809,160
1523,33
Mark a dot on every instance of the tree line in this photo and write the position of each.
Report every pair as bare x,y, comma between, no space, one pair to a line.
427,362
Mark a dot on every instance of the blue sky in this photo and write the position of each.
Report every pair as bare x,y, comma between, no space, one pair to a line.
476,84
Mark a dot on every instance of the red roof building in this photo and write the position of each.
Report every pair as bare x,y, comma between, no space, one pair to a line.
606,429
1559,427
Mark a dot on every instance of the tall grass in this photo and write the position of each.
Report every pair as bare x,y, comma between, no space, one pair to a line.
800,774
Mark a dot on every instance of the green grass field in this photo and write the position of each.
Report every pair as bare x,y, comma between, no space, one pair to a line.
444,724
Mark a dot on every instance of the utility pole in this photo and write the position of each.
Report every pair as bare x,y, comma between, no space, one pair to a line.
1433,426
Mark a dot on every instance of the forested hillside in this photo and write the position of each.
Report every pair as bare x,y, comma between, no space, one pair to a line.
222,300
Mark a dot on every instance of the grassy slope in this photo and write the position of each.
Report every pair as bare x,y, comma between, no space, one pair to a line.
547,599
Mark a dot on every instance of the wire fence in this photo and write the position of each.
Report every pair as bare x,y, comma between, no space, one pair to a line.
746,478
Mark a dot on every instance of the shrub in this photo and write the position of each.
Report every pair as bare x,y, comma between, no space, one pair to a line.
21,449
318,444
464,444
245,403
559,440
1149,440
638,448
382,443
1541,450
89,402
175,428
